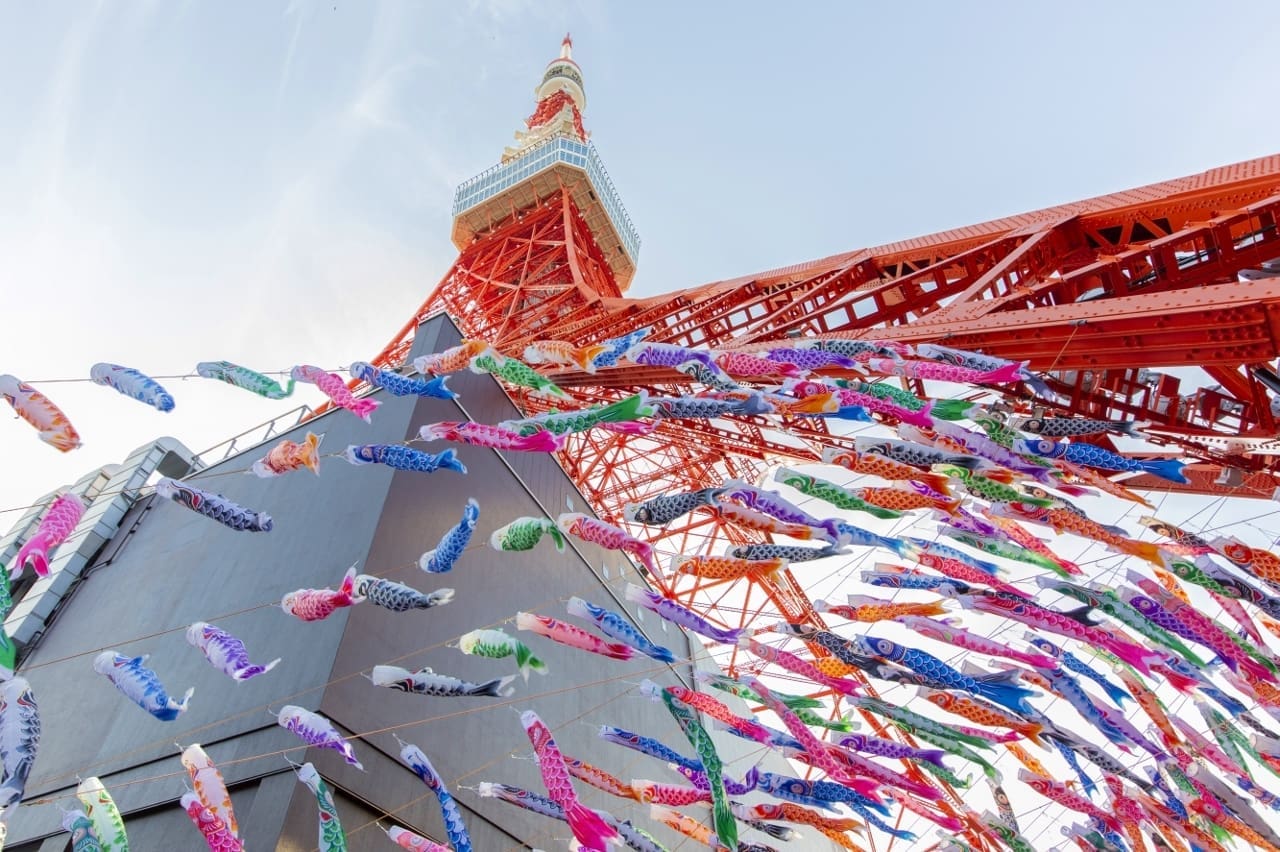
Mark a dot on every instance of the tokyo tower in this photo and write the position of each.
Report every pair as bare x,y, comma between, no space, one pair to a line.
1107,298
1102,295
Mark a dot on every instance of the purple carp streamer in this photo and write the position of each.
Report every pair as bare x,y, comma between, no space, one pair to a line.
316,731
225,652
213,506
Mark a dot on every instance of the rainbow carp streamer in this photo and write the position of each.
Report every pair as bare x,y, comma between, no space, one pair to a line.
515,372
216,833
524,533
289,455
406,839
19,738
397,597
608,536
84,838
140,685
35,408
495,645
108,825
571,636
616,626
132,384
426,682
493,437
442,557
210,788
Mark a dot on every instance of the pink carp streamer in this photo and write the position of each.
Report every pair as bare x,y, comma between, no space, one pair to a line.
574,637
57,524
590,829
332,386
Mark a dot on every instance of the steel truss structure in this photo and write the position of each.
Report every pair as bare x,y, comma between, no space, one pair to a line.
1099,295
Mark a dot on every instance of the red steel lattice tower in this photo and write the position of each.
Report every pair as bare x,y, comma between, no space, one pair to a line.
545,245
1099,295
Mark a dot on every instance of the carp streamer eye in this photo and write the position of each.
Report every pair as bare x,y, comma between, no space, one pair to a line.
1236,553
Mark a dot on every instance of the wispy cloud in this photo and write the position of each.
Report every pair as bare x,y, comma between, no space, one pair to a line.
299,11
378,102
47,134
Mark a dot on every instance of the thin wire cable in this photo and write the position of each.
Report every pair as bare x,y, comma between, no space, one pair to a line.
1114,568
199,476
262,707
482,767
384,574
364,735
71,380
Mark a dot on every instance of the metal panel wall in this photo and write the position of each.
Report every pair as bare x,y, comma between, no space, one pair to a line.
179,567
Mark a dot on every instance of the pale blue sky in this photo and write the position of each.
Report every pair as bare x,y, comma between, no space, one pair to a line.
271,183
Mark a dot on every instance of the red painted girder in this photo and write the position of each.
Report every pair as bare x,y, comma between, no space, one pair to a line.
1225,187
1026,268
1123,395
1176,201
1209,250
1229,325
1036,257
763,308
1205,480
1199,196
528,270
1240,384
918,295
712,314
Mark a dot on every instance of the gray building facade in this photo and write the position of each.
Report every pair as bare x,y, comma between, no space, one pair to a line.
162,567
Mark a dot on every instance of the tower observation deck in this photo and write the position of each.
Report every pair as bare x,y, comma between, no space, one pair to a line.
554,154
